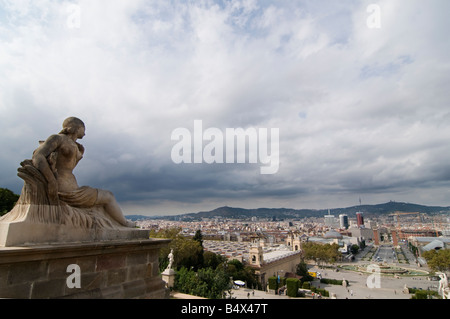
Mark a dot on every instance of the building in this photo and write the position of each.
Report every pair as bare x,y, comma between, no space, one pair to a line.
343,221
428,243
273,262
329,220
406,233
363,233
359,219
394,237
294,240
376,237
267,259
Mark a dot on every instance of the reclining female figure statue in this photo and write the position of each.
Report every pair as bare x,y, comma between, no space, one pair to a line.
57,157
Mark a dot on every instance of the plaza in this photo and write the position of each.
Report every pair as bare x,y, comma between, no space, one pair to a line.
389,287
362,284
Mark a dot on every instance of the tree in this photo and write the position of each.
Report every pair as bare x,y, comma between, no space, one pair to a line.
212,260
7,200
354,249
302,270
438,260
198,237
206,282
239,271
187,252
322,253
292,285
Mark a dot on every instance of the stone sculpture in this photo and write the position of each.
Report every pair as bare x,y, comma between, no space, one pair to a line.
168,275
444,289
51,197
170,259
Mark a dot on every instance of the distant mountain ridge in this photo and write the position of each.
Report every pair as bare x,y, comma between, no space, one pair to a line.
289,213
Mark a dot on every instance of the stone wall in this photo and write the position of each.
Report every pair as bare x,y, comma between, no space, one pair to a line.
280,266
115,269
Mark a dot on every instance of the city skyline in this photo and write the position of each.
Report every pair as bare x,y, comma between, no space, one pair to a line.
356,89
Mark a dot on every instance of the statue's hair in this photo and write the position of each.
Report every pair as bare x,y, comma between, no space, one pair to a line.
70,125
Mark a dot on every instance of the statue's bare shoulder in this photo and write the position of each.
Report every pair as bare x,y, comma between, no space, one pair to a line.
50,145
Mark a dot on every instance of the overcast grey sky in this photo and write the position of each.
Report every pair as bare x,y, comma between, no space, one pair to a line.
362,109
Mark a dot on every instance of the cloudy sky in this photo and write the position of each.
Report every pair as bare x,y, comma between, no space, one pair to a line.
359,91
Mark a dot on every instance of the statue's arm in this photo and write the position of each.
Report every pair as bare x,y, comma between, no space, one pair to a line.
41,163
81,149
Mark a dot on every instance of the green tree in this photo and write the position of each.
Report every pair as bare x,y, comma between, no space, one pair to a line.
273,283
212,260
170,233
235,265
198,237
206,282
322,253
239,271
354,249
438,260
292,285
7,200
186,251
302,270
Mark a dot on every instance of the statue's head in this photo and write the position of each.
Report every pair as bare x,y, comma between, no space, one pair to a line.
71,125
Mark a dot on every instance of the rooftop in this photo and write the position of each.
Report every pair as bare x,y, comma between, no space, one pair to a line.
278,254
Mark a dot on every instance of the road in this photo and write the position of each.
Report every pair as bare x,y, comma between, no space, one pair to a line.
385,254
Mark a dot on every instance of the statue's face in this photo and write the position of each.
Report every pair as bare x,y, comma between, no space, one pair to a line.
81,132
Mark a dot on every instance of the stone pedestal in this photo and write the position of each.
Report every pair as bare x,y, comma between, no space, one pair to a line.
109,269
168,276
23,233
29,224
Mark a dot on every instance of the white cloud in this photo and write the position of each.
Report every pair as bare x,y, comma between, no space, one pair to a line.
357,108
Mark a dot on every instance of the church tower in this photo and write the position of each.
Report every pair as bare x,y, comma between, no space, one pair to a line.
294,241
256,255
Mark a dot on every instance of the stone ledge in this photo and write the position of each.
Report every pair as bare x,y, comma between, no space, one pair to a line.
24,233
116,269
56,251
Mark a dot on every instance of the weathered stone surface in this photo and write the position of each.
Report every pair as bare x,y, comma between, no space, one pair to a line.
22,233
106,262
115,269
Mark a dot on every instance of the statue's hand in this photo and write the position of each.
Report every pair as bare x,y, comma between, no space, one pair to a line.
53,193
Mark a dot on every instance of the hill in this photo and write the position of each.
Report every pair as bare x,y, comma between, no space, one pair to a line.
289,213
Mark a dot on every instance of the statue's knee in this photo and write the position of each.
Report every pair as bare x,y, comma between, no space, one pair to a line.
109,195
105,196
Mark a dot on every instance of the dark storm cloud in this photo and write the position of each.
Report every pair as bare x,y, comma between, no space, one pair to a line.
360,110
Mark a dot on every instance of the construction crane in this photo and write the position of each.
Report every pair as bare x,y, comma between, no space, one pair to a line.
397,214
439,223
405,213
